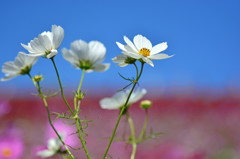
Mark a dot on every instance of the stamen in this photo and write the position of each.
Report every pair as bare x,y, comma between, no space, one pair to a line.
145,52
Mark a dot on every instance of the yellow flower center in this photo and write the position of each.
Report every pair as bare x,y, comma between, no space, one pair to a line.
6,152
145,52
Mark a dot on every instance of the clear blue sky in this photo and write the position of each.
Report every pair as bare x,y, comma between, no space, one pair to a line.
203,35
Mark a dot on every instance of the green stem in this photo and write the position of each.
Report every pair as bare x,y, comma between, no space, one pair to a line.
81,82
121,112
134,150
133,137
77,103
60,85
83,142
50,122
140,138
136,69
37,85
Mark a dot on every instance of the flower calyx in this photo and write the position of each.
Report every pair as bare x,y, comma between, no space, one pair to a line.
79,95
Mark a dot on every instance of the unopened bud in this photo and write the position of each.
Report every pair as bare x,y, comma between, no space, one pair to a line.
79,95
37,78
145,104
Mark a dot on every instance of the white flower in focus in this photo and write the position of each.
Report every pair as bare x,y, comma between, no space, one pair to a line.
86,56
118,100
20,66
141,49
54,145
47,43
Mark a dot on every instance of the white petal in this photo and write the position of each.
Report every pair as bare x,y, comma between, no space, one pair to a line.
137,95
80,48
108,103
119,58
148,61
27,47
122,64
58,35
27,60
8,77
46,153
131,54
53,53
114,102
36,54
159,48
142,42
10,68
129,49
101,67
70,57
37,46
45,42
130,44
160,56
121,46
97,51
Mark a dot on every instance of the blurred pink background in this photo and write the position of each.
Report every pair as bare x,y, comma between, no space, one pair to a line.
200,126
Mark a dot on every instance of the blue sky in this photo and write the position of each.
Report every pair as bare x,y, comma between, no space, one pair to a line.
203,35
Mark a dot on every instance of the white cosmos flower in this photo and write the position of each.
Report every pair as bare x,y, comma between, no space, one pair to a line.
118,100
54,145
86,56
141,49
20,66
47,43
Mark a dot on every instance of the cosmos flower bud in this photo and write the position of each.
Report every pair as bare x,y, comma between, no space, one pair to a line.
80,95
37,78
145,104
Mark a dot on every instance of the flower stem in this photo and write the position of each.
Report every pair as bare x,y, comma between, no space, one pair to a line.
81,82
37,85
133,137
121,112
60,85
77,103
50,122
134,150
79,127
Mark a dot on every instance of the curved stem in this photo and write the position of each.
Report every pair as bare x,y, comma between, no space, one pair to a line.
37,85
60,85
133,136
134,150
60,138
136,69
121,112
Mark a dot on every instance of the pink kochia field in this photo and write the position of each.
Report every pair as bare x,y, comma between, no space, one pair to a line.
193,127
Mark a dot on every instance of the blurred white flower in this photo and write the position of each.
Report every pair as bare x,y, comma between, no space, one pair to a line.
118,100
20,66
141,49
86,56
54,145
47,43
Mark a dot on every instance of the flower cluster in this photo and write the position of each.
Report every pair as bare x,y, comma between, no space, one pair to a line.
88,57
